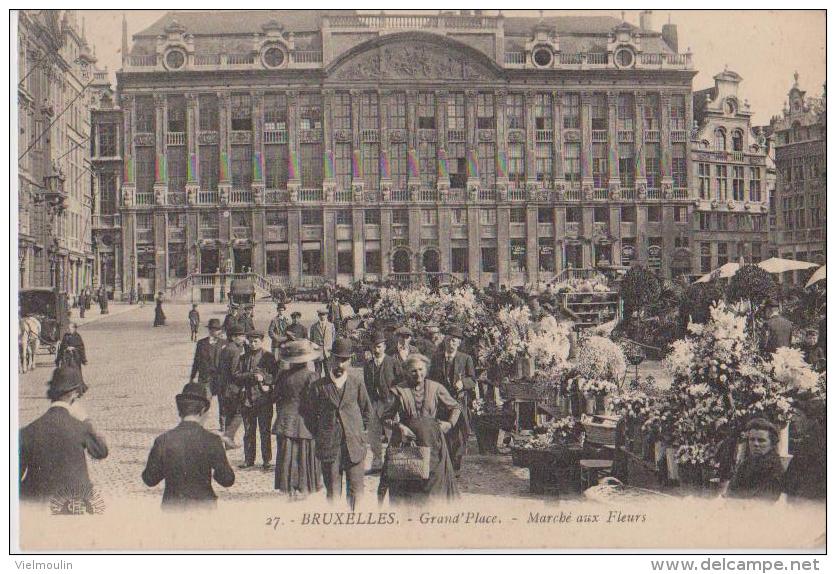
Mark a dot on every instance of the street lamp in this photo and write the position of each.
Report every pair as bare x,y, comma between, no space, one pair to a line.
133,280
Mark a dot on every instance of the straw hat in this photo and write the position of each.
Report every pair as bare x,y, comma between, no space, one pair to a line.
299,351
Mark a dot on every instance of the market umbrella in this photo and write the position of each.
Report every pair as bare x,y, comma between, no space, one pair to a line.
779,265
821,273
722,272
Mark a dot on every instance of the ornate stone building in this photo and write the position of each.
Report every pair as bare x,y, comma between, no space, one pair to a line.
729,177
799,135
307,145
55,65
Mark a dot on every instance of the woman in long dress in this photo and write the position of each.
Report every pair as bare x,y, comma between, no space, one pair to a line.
298,470
422,412
159,316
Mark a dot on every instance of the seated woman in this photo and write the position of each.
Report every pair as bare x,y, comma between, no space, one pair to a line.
421,411
760,474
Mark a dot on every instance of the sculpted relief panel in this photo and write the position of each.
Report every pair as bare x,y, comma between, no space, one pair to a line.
411,61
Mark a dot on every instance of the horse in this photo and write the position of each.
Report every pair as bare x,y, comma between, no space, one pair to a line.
29,341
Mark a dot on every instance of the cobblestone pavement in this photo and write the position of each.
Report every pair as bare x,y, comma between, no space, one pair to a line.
135,370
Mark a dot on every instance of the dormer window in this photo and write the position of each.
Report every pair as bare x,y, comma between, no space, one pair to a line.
719,140
274,57
175,59
542,56
624,58
730,107
737,141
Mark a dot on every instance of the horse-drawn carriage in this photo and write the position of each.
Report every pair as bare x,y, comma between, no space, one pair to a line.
44,317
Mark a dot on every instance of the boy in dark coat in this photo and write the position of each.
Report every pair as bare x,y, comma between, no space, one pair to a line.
188,457
256,378
194,321
207,353
53,448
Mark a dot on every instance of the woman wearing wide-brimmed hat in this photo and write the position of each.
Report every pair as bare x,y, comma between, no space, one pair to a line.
298,470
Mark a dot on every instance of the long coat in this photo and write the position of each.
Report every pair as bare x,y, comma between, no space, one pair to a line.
79,355
297,331
205,363
277,331
323,335
254,362
53,454
336,417
292,386
229,366
448,372
187,458
380,380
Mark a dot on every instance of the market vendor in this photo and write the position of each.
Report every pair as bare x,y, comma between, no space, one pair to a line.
760,474
457,372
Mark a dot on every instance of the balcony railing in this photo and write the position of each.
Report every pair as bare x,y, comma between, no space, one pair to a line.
207,59
274,196
574,194
240,59
738,156
369,136
177,198
175,138
515,58
680,193
400,195
651,135
487,195
571,59
625,136
275,137
308,195
344,196
573,228
678,136
654,193
307,56
601,193
144,198
599,136
544,135
455,135
628,193
142,61
240,196
413,21
241,232
207,197
596,58
516,194
428,195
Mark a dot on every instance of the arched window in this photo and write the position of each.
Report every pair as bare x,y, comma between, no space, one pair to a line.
737,140
720,139
796,132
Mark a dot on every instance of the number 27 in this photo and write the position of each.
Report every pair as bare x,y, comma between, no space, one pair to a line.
272,521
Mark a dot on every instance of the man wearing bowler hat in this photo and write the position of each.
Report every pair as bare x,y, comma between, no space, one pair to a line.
205,362
380,373
296,330
277,331
778,328
188,456
54,447
229,365
322,334
457,372
336,408
255,377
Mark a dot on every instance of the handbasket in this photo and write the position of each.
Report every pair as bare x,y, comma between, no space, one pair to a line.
408,462
600,429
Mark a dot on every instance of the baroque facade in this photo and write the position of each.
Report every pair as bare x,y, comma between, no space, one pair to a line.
55,66
730,178
799,137
305,145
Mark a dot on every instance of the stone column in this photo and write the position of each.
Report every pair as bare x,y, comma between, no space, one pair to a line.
329,242
559,234
385,239
294,177
413,171
612,138
641,175
224,181
294,252
329,182
615,232
503,243
415,235
689,165
665,144
500,102
383,97
557,134
641,233
192,237
532,244
444,226
443,164
474,244
259,245
192,118
160,251
471,139
161,173
587,183
357,182
587,227
530,140
128,188
258,186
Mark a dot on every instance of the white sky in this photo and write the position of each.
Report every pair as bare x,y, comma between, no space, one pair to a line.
765,47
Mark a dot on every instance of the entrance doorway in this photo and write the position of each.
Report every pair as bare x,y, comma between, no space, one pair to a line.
243,259
209,260
400,261
431,261
574,255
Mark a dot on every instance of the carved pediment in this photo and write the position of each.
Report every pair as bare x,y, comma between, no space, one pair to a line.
412,60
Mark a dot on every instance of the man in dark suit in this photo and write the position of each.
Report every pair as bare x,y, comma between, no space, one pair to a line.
322,334
229,364
205,363
336,408
380,373
188,456
53,448
296,330
232,317
255,377
403,346
277,331
778,329
457,372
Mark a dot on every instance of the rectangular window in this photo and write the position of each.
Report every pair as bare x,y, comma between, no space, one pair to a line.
485,112
429,217
459,259
600,167
311,165
722,253
628,214
679,166
145,115
626,110
599,111
626,165
398,165
369,111
489,260
543,161
370,154
208,219
397,111
177,160
721,178
722,222
651,112
487,216
545,255
310,112
571,111
275,218
517,252
518,215
372,263
145,169
275,112
754,184
107,194
705,257
543,112
342,165
487,164
176,114
572,162
516,164
242,112
654,213
737,182
275,166
242,169
457,164
345,262
455,111
514,114
400,217
176,260
208,112
343,217
574,215
278,262
342,111
311,217
426,111
704,178
311,260
108,140
372,216
653,166
209,167
601,215
678,121
428,164
459,215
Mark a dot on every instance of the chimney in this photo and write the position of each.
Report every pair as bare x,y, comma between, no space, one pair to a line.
646,20
670,37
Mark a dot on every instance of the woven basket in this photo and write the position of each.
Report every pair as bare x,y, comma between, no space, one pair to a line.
408,462
600,429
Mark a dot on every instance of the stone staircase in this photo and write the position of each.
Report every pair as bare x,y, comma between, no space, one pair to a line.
188,288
